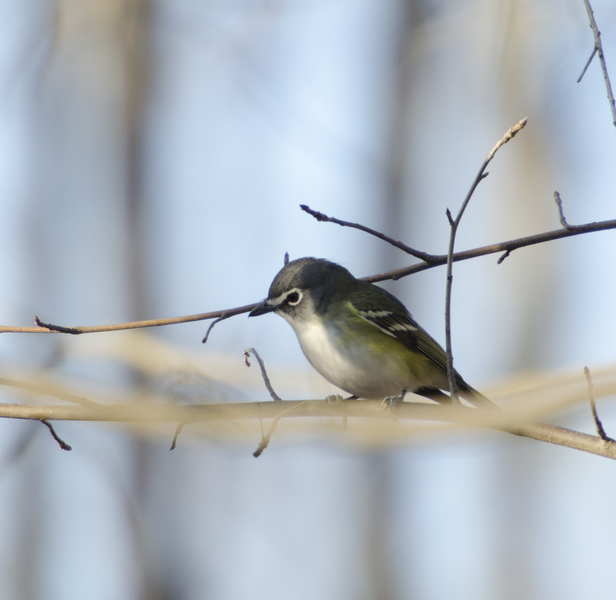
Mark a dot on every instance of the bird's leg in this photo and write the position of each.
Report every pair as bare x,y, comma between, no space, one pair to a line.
392,401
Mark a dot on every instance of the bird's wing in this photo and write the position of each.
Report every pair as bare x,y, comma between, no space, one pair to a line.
400,325
393,319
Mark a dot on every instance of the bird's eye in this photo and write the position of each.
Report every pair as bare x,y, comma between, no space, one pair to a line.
293,298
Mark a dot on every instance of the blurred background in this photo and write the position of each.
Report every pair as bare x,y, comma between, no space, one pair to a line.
153,156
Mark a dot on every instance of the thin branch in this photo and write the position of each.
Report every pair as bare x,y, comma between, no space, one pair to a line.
506,247
593,408
225,315
44,327
436,260
454,223
592,55
319,216
599,49
266,379
265,439
149,413
63,445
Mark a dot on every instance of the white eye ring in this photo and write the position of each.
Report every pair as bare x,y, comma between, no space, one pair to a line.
290,300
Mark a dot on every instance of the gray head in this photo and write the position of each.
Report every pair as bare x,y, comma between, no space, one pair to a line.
304,283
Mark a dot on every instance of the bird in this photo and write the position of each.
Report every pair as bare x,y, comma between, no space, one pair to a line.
360,337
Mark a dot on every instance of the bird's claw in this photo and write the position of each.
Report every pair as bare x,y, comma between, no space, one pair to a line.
392,401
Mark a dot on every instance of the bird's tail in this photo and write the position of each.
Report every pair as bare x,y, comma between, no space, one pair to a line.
472,395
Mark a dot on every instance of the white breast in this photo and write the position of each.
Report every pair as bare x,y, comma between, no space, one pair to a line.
355,370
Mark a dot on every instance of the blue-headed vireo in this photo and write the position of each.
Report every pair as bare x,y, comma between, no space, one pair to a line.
358,336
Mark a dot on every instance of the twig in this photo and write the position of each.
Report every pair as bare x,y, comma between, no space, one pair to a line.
63,445
594,51
561,214
454,223
599,49
266,380
319,216
593,408
178,430
225,315
265,439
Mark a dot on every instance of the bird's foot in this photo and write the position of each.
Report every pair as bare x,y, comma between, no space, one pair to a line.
334,399
392,401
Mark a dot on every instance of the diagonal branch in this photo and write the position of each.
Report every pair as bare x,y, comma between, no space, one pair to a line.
592,55
599,52
319,216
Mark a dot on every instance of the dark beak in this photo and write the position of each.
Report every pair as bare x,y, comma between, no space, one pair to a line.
261,309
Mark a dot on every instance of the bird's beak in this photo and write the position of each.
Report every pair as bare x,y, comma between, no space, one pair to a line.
261,309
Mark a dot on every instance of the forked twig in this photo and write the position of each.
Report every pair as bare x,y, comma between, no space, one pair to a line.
592,55
454,223
599,51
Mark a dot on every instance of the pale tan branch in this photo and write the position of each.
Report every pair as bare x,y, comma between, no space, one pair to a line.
459,415
43,327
